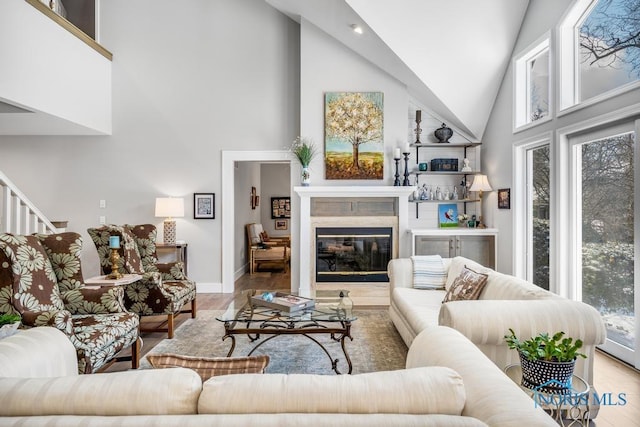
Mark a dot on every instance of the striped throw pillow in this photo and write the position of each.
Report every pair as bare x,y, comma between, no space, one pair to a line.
428,272
208,367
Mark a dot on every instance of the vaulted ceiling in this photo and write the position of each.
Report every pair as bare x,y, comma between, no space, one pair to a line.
452,55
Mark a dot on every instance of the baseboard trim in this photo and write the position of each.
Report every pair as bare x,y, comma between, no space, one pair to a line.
240,272
208,288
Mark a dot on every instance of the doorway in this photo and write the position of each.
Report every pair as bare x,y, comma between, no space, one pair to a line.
233,246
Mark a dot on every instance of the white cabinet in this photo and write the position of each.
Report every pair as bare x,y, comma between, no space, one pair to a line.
477,244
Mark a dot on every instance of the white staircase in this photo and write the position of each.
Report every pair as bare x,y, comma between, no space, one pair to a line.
17,214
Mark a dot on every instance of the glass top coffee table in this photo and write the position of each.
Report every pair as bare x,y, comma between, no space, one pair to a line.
331,315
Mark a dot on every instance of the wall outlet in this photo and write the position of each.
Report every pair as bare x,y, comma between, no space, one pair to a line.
102,220
103,204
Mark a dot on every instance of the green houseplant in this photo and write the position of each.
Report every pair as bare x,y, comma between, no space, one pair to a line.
304,150
9,324
547,361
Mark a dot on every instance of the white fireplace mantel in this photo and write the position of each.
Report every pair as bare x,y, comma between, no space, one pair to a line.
307,193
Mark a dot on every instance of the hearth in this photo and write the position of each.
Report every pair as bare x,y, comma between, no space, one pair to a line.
353,254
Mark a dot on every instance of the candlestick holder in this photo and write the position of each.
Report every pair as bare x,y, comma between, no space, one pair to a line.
406,182
396,182
114,258
417,130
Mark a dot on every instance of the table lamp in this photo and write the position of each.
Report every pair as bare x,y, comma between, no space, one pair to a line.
480,184
168,208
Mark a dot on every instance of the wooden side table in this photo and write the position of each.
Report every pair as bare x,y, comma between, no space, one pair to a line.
173,252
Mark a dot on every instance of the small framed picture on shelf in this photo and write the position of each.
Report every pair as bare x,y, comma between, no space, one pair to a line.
448,215
504,198
204,205
281,224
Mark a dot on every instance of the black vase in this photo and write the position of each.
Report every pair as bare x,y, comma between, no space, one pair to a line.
443,133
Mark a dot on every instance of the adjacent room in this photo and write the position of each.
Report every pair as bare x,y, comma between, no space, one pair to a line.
330,212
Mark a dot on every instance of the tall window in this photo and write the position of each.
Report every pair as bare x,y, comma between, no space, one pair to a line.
532,85
600,42
538,201
605,231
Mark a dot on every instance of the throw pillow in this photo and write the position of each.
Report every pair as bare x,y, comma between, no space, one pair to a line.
467,286
208,367
428,272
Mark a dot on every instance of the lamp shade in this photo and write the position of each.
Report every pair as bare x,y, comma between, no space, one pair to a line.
480,183
169,207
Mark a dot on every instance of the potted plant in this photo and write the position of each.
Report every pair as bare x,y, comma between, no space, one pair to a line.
9,324
547,361
304,150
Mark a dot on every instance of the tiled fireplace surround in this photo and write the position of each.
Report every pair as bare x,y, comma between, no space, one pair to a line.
349,206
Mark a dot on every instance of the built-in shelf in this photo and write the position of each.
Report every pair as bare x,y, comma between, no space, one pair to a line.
444,201
443,173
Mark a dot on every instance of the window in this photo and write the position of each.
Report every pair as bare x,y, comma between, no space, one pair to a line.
538,203
605,240
532,84
600,46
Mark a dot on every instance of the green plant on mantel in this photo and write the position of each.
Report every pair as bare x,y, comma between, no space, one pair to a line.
7,319
304,149
544,347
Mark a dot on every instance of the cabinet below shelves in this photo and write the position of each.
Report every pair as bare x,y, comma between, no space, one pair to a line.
477,244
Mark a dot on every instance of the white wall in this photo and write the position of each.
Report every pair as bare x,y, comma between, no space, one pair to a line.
247,175
328,66
542,16
190,79
275,181
47,70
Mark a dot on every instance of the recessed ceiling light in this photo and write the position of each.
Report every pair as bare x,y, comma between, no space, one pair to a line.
356,28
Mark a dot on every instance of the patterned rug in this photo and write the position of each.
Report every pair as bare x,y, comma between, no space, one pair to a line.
376,345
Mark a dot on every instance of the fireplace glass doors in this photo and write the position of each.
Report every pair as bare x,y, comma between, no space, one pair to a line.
353,254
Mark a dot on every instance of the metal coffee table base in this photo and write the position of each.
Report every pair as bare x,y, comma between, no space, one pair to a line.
276,328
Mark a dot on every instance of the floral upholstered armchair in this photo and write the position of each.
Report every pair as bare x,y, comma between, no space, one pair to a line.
164,288
41,279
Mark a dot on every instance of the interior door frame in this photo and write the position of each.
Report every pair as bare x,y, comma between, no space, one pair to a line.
229,158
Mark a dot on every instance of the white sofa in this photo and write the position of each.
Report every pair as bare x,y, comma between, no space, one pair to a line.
448,382
505,302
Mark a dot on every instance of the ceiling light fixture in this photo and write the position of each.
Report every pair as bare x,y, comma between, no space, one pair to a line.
356,28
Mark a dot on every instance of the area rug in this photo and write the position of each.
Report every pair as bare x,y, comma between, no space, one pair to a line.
376,345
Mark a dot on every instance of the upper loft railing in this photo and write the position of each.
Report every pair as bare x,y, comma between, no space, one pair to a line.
71,28
17,214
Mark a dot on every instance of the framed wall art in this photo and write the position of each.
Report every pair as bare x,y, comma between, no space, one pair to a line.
255,199
280,207
281,224
504,198
204,205
354,138
448,215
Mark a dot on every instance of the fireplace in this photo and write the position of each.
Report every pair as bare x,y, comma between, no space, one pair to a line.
353,254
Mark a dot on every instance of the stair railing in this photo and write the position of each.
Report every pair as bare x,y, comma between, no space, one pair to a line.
17,214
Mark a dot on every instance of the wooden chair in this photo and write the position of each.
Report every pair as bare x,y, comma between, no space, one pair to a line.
273,252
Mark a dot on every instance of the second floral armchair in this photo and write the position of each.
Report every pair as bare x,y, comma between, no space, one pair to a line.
164,288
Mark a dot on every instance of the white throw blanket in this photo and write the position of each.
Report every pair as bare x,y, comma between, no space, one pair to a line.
428,272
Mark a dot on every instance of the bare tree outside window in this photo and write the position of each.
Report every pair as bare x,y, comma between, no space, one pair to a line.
609,41
607,233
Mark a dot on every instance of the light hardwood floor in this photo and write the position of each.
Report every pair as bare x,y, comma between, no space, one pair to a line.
611,376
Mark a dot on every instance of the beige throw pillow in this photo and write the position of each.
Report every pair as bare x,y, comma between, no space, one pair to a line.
208,367
467,286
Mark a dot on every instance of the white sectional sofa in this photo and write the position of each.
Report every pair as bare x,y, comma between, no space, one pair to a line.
447,382
505,302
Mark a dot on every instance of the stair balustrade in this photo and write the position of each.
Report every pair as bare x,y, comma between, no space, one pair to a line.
18,215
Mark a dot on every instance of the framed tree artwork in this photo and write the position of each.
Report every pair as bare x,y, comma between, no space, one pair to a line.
354,138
